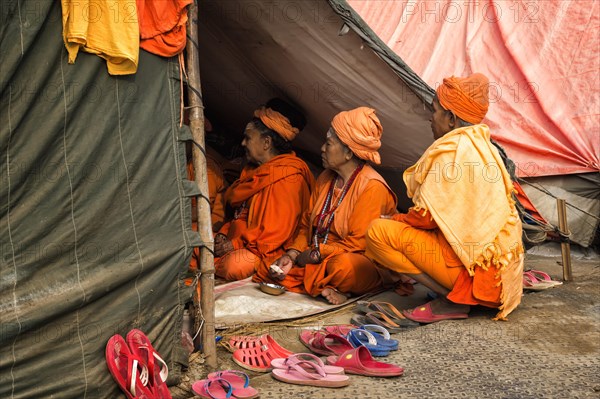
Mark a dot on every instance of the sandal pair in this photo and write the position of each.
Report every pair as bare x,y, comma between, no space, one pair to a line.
136,366
536,280
225,384
383,314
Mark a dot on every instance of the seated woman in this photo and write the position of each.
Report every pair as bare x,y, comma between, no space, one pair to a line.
462,238
269,197
326,258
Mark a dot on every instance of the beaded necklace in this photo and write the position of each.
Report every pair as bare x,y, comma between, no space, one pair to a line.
325,218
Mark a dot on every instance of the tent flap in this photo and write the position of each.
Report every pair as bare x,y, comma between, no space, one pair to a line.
92,213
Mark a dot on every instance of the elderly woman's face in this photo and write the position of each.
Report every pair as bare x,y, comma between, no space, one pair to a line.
254,144
440,120
334,153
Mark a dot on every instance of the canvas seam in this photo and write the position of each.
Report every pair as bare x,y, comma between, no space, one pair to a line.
20,27
137,245
175,132
74,228
12,245
177,165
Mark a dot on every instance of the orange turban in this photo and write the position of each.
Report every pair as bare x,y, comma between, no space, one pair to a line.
361,131
466,97
277,122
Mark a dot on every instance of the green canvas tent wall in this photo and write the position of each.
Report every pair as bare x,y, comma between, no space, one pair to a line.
95,220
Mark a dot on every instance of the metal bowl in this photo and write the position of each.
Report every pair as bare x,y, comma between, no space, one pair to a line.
271,289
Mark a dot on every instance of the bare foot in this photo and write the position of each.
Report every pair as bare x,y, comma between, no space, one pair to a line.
334,297
444,306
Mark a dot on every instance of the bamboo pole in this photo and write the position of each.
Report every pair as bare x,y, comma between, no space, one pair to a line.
565,246
207,269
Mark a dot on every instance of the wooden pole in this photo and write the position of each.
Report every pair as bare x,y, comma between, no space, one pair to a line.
565,246
206,310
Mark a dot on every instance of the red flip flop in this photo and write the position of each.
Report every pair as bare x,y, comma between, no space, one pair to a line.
424,314
141,347
127,369
359,361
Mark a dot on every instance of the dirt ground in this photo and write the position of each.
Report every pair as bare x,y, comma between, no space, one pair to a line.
549,348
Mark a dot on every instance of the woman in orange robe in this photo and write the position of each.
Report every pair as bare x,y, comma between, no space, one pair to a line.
326,258
268,198
462,238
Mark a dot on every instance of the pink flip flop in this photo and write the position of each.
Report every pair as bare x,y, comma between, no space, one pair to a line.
127,369
424,314
536,280
157,368
301,359
309,373
359,361
239,381
325,344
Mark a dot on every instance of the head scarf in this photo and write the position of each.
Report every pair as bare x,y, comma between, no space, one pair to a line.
277,122
466,97
361,131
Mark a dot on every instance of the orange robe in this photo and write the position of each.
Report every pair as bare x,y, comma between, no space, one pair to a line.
458,201
343,266
269,201
413,244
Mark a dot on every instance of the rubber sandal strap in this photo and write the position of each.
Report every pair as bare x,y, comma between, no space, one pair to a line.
381,319
304,357
223,383
356,334
388,309
164,370
377,329
134,364
303,366
540,275
223,375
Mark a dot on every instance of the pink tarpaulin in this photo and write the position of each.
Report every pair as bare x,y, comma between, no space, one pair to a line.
542,58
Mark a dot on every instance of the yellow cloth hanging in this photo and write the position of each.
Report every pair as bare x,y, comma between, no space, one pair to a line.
107,28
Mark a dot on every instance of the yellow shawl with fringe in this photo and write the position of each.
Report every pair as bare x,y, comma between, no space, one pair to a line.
462,181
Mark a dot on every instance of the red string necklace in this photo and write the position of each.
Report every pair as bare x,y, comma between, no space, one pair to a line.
325,218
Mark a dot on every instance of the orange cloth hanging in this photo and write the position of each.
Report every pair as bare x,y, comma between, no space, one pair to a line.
162,26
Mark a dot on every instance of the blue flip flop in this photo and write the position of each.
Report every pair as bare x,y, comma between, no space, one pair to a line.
359,337
381,335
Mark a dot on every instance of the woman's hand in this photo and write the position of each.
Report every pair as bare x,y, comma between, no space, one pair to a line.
308,257
281,267
222,245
